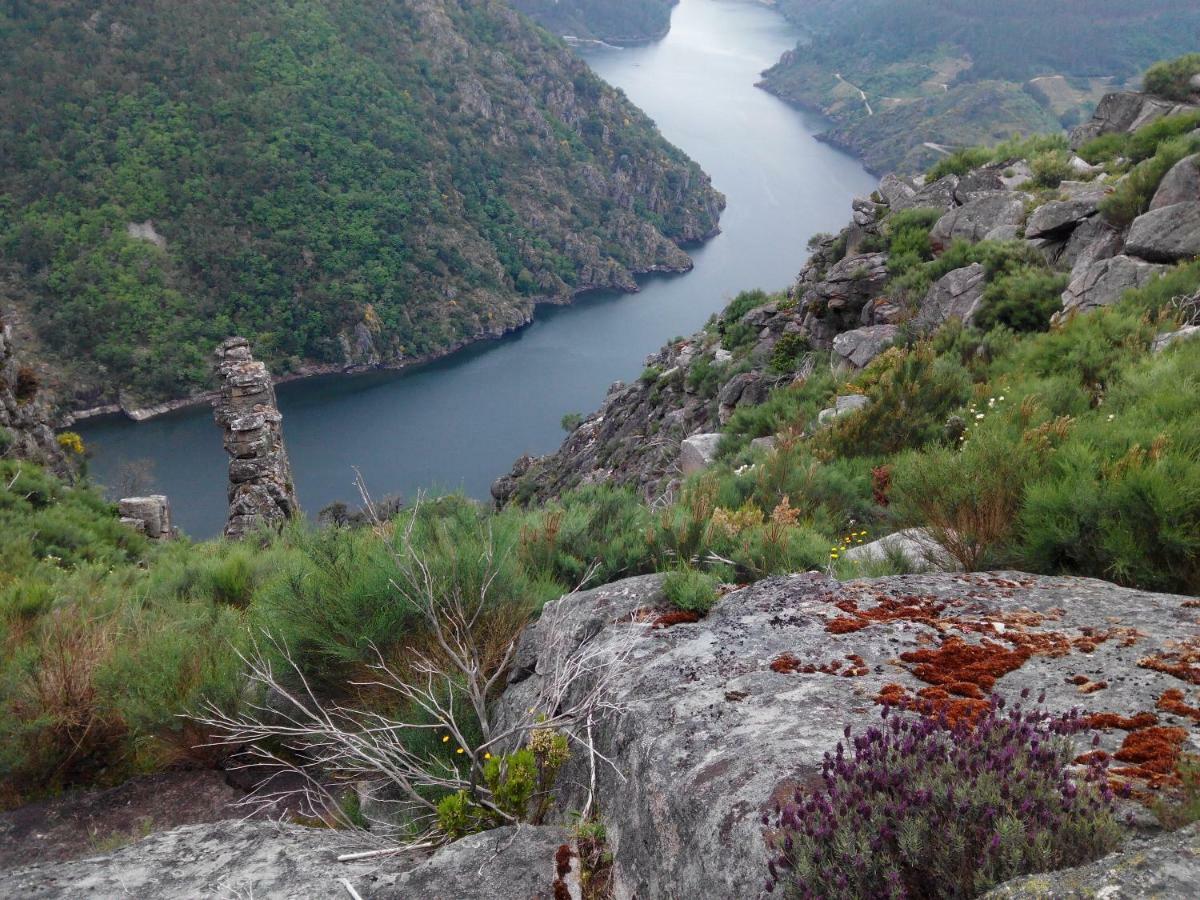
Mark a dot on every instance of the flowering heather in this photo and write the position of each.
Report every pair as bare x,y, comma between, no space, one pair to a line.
920,808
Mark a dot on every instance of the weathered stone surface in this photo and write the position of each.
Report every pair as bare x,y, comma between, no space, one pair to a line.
957,294
1187,333
984,214
515,862
1167,234
1062,215
698,452
746,389
220,859
261,491
1180,185
914,545
835,302
1121,111
938,195
710,733
1166,867
25,431
266,859
896,191
1092,240
149,515
1102,283
858,347
763,443
979,181
843,406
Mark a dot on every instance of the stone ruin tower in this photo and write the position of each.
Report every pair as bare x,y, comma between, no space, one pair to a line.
261,491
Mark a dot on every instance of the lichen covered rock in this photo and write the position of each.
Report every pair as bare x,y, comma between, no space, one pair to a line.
725,717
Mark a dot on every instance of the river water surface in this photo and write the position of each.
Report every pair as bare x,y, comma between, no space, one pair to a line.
460,422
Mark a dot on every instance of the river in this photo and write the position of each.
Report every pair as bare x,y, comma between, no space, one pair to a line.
458,423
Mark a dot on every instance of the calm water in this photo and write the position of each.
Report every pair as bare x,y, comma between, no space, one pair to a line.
461,422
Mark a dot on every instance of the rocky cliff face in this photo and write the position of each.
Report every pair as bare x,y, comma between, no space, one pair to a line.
611,21
261,492
844,304
383,184
721,718
25,431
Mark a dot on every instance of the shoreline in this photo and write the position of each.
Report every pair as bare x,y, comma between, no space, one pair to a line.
71,418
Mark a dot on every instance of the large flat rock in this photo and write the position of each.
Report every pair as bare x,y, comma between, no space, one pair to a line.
722,715
287,862
1166,868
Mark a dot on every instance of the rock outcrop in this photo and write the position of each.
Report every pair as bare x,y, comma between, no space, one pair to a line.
1166,867
149,515
724,717
715,722
261,492
1125,111
25,431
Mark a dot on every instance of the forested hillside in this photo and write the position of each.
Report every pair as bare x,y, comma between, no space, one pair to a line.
958,72
612,21
344,183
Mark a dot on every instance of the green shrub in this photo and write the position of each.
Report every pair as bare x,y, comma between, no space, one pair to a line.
690,590
1134,192
1022,300
1141,144
788,352
962,161
650,375
1050,168
968,498
734,334
571,421
705,376
1170,78
911,393
597,530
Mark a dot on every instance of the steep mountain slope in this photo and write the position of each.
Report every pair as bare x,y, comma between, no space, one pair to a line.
612,21
342,183
901,79
1029,229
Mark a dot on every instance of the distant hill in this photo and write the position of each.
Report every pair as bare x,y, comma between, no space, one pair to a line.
612,21
897,76
344,183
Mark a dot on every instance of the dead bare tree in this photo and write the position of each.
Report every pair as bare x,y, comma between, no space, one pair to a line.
450,689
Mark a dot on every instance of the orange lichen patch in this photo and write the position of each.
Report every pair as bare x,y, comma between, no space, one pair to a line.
785,663
676,617
956,661
1092,756
1092,686
892,694
1125,723
857,668
846,625
1154,753
1078,679
1172,701
1182,663
933,701
1191,604
921,609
